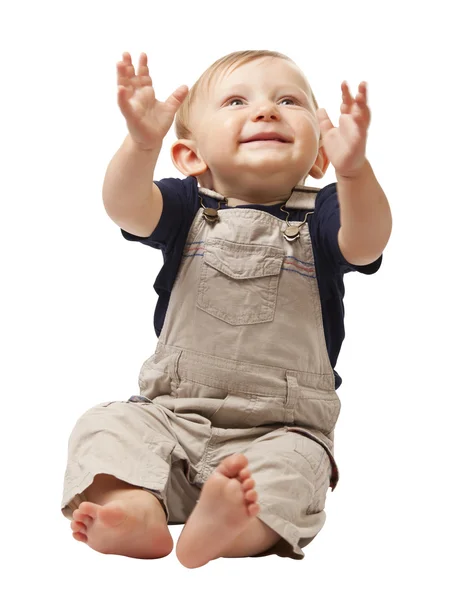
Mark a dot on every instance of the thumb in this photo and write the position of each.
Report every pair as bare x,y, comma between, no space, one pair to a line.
324,121
177,97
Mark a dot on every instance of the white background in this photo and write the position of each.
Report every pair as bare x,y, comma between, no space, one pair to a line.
78,301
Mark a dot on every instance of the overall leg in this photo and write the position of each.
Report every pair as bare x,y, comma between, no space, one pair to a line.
109,448
292,474
281,515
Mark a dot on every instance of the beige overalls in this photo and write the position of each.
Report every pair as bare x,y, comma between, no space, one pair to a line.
241,365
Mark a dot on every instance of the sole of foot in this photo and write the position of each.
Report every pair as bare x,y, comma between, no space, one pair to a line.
128,526
227,504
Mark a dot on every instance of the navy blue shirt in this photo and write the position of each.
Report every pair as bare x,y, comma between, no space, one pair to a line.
180,205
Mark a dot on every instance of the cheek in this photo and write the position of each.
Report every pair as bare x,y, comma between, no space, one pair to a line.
309,135
229,128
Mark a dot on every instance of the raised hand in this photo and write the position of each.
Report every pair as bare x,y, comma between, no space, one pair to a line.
345,145
147,118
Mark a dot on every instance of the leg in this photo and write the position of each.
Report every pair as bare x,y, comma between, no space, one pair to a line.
114,512
107,487
119,518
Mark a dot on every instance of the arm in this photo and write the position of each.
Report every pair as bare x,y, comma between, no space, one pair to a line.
130,197
365,214
366,220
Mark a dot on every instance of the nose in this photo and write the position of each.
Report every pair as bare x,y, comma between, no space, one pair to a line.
266,111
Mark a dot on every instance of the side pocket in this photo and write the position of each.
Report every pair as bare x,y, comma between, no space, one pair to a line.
321,470
322,482
159,376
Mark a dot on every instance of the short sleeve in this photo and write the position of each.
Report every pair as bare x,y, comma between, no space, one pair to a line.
179,207
325,230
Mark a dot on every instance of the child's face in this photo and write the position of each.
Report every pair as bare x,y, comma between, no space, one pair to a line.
268,95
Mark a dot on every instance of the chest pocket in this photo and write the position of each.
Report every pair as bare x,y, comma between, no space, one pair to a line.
239,282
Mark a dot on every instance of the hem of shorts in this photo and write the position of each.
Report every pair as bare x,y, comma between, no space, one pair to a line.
81,485
88,480
287,546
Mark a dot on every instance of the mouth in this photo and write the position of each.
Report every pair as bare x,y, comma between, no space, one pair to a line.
264,142
267,138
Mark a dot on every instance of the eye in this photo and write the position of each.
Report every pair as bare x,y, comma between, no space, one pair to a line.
229,102
288,100
241,101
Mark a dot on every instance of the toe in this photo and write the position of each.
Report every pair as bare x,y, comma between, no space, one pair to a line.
251,496
76,515
244,474
77,527
80,537
232,465
86,520
89,509
81,517
248,484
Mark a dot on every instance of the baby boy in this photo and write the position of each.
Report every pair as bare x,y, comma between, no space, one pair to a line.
232,433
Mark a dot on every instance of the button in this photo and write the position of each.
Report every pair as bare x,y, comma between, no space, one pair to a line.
292,233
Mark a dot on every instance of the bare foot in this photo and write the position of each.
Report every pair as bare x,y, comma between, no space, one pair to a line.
227,504
130,525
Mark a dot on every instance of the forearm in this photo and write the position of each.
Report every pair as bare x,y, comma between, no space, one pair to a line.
128,183
365,216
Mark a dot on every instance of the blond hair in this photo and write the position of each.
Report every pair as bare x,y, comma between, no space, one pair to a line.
182,118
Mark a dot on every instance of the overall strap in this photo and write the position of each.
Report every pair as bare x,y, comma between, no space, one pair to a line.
302,197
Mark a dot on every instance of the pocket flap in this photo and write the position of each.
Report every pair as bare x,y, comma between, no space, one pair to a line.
243,261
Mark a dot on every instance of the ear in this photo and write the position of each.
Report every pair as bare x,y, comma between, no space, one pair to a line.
321,163
186,158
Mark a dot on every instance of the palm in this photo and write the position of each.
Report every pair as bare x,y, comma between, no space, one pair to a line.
154,116
147,118
345,146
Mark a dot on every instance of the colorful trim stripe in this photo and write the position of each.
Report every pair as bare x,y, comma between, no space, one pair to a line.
306,269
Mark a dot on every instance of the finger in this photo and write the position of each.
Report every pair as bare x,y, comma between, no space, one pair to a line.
347,99
361,112
361,115
128,64
123,77
361,96
143,64
143,73
123,96
125,70
127,57
177,97
346,96
324,121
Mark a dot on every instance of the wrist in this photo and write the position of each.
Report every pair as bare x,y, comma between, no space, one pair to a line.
355,174
137,147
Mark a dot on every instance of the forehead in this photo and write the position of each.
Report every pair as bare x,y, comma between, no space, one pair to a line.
268,70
